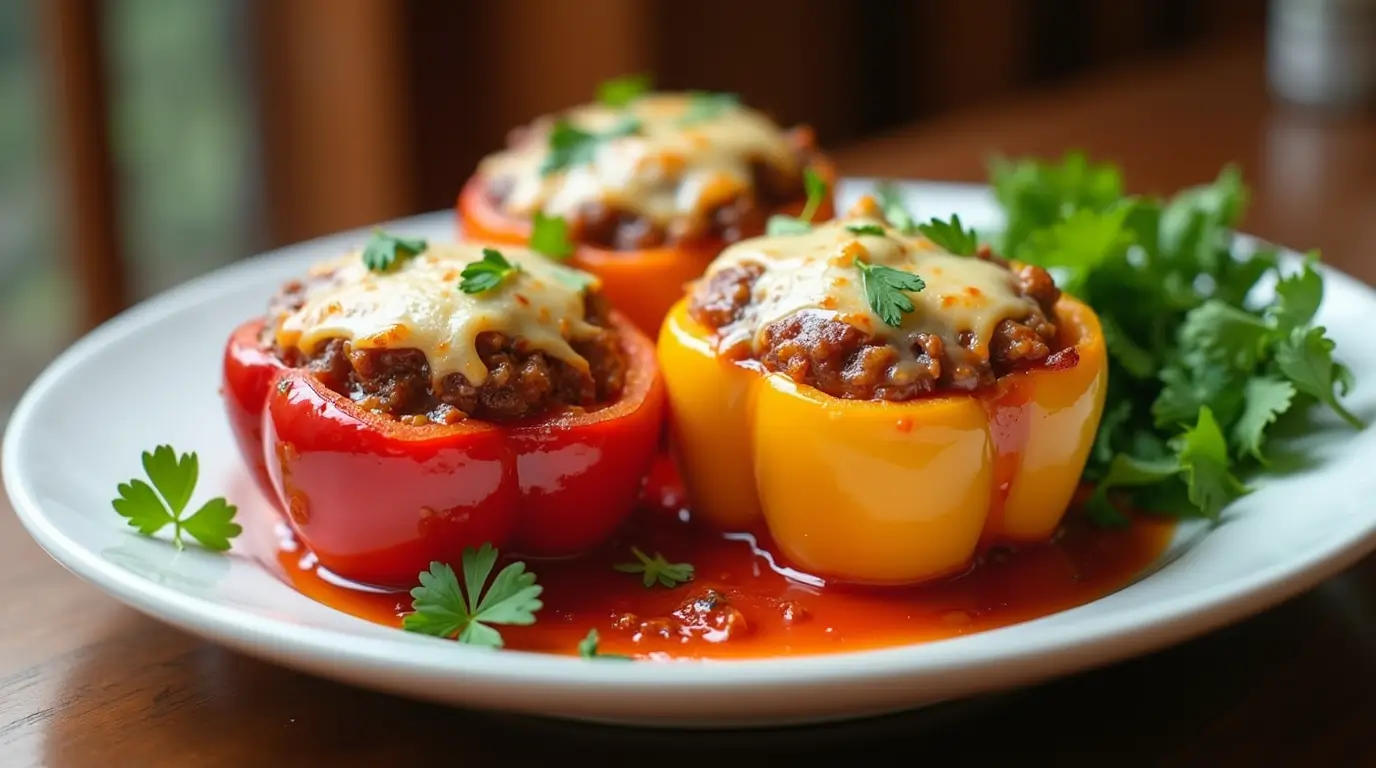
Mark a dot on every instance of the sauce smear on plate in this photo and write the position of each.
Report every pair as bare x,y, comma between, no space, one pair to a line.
743,603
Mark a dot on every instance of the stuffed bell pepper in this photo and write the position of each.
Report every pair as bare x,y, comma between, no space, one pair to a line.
646,190
883,400
409,400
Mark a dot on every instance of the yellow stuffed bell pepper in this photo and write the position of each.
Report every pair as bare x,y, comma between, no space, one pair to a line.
881,492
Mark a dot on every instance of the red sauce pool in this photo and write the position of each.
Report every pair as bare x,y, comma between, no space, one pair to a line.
741,604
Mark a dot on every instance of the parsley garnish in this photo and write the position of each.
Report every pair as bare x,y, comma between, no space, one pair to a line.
384,250
549,236
657,569
621,91
816,188
865,229
174,477
951,236
587,648
1199,375
706,106
443,608
487,273
890,200
569,145
1305,357
886,288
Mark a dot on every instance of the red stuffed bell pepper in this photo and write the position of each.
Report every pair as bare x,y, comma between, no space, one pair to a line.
444,398
250,368
648,191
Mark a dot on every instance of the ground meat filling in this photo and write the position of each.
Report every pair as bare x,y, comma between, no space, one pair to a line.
520,383
843,361
744,215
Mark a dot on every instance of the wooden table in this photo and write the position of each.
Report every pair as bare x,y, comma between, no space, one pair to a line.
85,681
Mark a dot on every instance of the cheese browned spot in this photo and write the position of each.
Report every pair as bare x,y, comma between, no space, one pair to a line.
669,178
798,304
418,305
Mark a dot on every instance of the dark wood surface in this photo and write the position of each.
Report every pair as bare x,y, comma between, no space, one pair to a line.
85,681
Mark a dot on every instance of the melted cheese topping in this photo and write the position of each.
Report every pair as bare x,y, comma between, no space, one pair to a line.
816,273
418,305
667,173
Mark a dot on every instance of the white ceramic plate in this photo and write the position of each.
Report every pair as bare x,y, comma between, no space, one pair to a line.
157,369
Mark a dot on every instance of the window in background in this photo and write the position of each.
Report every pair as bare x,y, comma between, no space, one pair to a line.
37,305
183,137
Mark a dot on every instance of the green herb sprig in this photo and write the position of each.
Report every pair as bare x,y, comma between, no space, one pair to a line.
174,478
619,92
816,188
384,250
487,273
588,649
444,607
549,236
866,229
887,290
570,146
1201,373
657,570
951,236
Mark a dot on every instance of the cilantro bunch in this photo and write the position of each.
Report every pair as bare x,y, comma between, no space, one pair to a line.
1200,371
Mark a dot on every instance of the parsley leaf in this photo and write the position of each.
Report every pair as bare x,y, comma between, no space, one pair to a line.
816,188
890,199
621,91
1298,297
705,106
1035,195
587,648
384,250
174,477
1225,333
569,145
443,608
1078,245
1264,398
1204,461
1305,357
549,236
657,569
886,287
951,236
486,273
866,229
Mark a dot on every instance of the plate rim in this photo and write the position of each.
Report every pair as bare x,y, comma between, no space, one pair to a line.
1048,652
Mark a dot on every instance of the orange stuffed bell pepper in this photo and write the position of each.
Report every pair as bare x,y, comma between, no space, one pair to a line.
644,194
883,404
413,400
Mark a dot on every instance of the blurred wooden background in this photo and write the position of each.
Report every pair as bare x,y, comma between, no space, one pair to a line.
370,109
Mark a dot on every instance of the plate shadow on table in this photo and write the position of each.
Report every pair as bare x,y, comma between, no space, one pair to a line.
204,705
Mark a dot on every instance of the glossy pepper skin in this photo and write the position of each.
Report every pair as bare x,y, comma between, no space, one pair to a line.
882,492
249,372
642,284
377,500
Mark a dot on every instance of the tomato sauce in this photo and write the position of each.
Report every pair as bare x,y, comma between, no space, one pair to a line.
744,602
